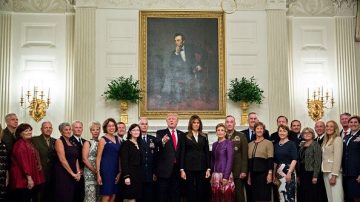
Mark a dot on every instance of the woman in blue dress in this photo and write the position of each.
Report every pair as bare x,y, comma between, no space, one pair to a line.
107,161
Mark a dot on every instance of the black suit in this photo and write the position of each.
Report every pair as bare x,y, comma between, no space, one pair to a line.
47,157
253,137
291,136
80,185
195,160
148,150
168,166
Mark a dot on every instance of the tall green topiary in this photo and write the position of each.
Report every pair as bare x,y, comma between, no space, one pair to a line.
123,89
245,90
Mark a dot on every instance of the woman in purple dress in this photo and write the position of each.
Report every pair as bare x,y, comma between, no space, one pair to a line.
222,155
67,170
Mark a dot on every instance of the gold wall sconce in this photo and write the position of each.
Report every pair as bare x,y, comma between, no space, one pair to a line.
37,103
318,102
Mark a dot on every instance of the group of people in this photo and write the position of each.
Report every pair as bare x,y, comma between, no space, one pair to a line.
250,165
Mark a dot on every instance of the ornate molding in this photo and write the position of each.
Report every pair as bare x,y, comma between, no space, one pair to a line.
178,4
345,7
311,8
276,4
6,5
37,6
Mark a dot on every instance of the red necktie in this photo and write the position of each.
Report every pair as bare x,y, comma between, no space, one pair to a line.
345,133
173,138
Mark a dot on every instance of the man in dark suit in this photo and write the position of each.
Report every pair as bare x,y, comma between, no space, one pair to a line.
295,126
148,149
344,121
77,129
240,163
251,136
250,132
11,121
183,67
282,120
45,144
320,132
168,160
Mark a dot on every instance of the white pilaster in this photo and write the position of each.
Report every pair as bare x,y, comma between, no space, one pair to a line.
84,75
5,56
346,65
277,49
69,92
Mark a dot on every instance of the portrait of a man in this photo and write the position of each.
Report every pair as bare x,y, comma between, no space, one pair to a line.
182,65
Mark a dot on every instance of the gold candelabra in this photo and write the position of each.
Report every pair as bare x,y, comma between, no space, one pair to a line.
318,102
37,103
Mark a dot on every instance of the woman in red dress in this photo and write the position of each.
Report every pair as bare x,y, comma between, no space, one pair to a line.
26,172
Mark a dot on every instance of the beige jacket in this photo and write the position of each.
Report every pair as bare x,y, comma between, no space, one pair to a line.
331,156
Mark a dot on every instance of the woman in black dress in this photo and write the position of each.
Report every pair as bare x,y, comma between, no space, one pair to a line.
67,170
261,164
309,168
131,170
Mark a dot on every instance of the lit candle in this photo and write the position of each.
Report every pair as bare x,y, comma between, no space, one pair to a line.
49,93
322,91
22,92
308,93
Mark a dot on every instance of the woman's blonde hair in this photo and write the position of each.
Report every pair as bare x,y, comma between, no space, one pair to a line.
333,136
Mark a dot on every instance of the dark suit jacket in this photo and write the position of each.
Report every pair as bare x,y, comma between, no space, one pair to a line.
240,163
351,153
247,134
167,157
195,155
148,150
9,140
47,154
291,136
79,146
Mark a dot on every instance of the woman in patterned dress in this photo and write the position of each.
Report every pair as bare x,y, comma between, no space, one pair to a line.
89,157
4,173
285,152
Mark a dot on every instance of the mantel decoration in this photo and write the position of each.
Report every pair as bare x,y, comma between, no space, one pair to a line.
124,90
37,103
246,91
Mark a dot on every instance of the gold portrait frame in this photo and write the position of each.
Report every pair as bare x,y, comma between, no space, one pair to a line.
157,23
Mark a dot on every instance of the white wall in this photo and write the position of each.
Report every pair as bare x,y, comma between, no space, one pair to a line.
38,59
314,63
117,42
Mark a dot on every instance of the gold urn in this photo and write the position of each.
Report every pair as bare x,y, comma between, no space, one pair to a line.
124,106
244,106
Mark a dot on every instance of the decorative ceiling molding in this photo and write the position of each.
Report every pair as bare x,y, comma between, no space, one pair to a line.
345,7
6,5
37,6
178,4
311,8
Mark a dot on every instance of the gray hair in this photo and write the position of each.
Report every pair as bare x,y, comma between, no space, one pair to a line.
7,116
45,122
63,125
310,130
76,121
94,123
